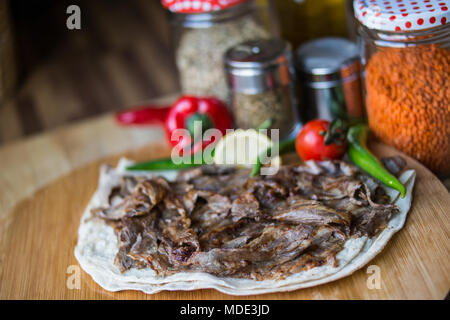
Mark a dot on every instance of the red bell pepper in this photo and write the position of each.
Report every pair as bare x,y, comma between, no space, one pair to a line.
143,115
212,113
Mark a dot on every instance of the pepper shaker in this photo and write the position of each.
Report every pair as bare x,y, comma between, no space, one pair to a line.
261,78
329,71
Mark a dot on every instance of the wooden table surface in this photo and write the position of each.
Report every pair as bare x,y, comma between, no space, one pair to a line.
40,159
414,265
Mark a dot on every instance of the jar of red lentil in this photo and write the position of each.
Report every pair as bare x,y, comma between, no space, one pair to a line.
406,57
203,30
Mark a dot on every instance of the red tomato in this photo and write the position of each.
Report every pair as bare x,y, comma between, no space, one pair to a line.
310,142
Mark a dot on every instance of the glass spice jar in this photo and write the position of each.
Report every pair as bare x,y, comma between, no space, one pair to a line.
406,56
261,77
304,20
329,71
203,30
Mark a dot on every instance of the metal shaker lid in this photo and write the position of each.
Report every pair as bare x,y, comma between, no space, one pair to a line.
258,65
328,60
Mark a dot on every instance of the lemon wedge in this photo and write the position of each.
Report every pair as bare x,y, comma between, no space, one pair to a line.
242,148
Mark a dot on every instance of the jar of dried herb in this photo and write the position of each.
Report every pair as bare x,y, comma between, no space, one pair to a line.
261,77
203,30
406,54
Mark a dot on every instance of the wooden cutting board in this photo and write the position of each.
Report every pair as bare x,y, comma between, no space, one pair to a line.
46,182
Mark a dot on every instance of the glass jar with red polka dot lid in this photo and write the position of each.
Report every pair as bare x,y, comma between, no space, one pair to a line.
203,30
405,50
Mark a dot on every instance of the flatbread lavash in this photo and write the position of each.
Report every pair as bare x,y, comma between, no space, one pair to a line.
97,248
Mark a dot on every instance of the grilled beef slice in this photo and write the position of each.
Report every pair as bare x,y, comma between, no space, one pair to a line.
220,221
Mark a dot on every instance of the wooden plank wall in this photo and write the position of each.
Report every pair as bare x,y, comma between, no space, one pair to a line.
121,57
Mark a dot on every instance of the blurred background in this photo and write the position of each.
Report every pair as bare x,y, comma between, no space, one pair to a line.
121,57
118,58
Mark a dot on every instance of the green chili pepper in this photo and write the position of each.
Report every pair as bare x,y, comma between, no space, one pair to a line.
283,147
364,159
168,164
163,164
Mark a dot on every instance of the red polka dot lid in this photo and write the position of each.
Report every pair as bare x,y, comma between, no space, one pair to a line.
198,6
402,15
